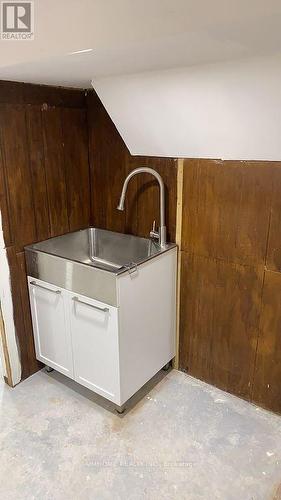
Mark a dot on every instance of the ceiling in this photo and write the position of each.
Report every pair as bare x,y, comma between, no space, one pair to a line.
131,36
188,78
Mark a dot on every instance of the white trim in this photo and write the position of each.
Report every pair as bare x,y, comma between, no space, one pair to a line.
8,312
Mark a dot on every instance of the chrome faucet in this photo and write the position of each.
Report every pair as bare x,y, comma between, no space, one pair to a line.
161,234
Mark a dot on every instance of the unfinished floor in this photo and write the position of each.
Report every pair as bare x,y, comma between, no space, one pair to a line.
183,440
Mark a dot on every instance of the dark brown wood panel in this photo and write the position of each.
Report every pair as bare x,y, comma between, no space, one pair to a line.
220,306
4,202
266,390
55,171
273,260
147,194
44,182
132,202
38,173
28,93
11,92
75,140
17,172
110,163
108,156
53,96
226,209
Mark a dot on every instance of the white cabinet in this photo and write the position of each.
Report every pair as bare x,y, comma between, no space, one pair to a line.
50,326
94,332
76,336
111,350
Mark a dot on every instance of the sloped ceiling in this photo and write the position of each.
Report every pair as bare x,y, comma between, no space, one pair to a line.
152,55
228,110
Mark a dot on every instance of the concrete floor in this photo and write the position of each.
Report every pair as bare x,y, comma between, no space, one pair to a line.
183,440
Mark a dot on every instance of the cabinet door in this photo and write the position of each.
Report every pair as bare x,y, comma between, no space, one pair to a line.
50,326
94,330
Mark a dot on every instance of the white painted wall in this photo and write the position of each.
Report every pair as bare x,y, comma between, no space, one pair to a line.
3,369
7,311
228,110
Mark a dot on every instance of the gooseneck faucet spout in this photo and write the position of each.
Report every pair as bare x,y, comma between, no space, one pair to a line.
161,235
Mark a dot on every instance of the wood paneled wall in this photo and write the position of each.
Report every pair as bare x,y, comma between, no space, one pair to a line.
56,178
44,181
62,166
110,162
230,320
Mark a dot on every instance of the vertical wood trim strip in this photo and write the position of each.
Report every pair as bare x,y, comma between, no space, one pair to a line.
178,242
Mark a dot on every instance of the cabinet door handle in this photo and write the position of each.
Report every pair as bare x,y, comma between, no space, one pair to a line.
33,283
103,309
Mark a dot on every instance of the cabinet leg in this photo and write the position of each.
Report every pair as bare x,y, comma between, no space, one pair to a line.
49,369
120,409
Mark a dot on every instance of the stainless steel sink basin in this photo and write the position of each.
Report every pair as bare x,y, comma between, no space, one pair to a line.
88,261
106,250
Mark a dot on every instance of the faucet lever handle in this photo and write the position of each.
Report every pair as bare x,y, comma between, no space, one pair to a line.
153,233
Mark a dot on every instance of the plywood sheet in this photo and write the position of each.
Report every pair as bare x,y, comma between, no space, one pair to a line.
226,209
220,307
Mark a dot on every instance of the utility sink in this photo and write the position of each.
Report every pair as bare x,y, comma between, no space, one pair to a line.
103,305
103,309
88,261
